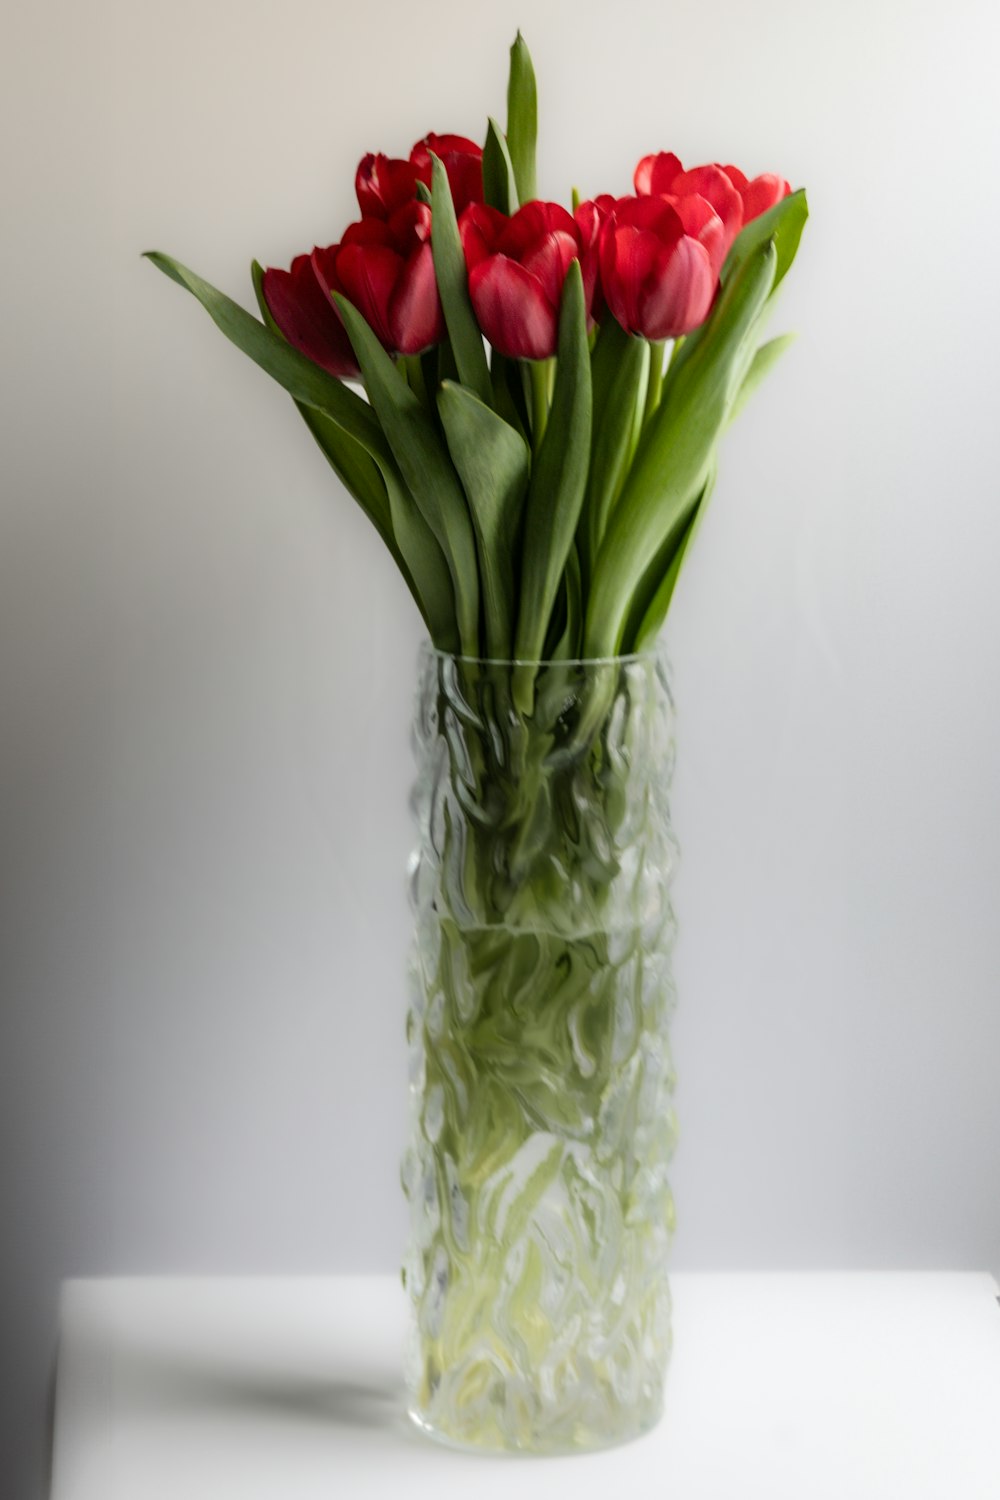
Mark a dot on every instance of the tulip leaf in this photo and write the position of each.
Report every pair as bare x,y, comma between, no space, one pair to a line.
763,361
427,563
618,364
652,599
508,392
493,464
558,481
498,169
352,464
300,377
425,466
378,488
453,285
522,119
676,450
567,647
783,224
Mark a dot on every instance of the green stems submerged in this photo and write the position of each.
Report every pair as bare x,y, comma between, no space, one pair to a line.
541,1118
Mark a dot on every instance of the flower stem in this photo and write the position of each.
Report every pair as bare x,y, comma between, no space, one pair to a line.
541,374
655,386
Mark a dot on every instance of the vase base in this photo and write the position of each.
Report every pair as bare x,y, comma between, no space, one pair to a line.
536,1445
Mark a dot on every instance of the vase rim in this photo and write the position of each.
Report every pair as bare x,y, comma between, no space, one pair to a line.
654,653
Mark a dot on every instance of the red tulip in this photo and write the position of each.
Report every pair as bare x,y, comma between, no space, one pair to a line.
462,159
386,183
662,174
384,267
383,184
760,194
517,267
657,276
308,319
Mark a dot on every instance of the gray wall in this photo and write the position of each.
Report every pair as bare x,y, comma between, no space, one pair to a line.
207,663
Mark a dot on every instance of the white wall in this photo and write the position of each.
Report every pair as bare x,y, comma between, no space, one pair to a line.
207,662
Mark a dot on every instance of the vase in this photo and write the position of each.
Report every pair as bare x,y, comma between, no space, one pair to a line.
540,1073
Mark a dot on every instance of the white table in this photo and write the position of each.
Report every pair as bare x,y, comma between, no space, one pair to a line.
784,1387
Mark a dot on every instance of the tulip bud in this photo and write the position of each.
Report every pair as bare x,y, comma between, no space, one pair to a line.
307,318
657,278
385,268
517,267
462,160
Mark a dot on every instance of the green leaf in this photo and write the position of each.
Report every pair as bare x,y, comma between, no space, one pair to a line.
653,598
763,361
299,376
567,648
783,224
427,563
425,466
379,490
493,464
559,477
508,392
618,364
351,462
522,119
453,285
498,169
672,461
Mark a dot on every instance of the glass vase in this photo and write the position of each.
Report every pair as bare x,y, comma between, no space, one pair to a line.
540,1072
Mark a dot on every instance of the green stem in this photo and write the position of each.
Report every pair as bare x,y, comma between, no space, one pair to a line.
414,372
541,374
655,387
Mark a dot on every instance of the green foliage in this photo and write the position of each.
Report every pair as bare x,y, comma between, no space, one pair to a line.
522,119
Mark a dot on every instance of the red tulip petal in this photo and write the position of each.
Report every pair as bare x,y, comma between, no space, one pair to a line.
656,214
415,317
629,256
409,226
532,222
712,183
307,317
368,231
656,173
383,184
480,227
368,276
512,310
702,223
462,161
763,193
678,293
736,177
549,259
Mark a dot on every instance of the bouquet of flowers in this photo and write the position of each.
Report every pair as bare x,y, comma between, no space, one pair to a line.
546,386
526,399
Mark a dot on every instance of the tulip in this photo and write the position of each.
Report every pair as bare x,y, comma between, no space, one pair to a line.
517,267
462,159
658,278
385,184
662,174
385,268
303,311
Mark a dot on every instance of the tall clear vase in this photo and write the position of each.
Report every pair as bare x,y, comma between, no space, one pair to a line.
540,1071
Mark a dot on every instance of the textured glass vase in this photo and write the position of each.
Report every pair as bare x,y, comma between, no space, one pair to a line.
540,1071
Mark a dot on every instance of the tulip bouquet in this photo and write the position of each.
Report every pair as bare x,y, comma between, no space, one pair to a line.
543,387
526,400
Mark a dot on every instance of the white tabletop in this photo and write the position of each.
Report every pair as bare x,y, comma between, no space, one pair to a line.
784,1387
